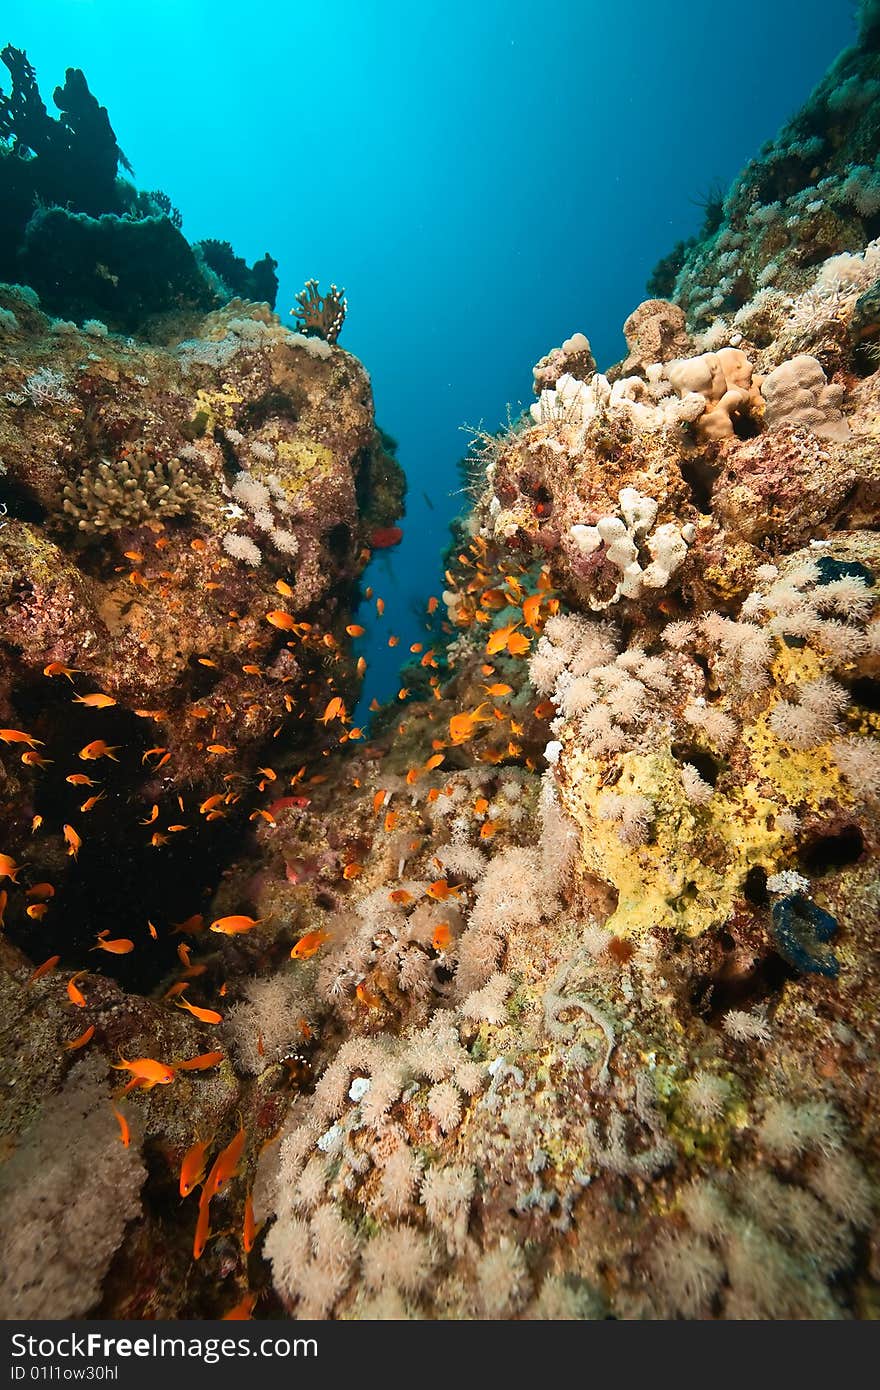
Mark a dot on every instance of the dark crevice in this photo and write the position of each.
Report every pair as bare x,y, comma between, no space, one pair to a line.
829,853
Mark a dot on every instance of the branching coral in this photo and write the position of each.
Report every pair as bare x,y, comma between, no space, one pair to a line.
128,492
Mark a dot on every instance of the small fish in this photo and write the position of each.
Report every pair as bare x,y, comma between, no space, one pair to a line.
97,701
152,930
309,945
442,936
219,750
400,896
99,749
283,588
34,759
545,710
91,802
193,924
156,839
499,639
488,828
36,822
37,911
124,1131
498,690
433,604
393,640
352,870
225,1165
81,1041
390,821
278,618
355,630
57,668
16,736
434,761
361,665
203,1225
440,890
481,806
79,779
235,925
203,1062
335,710
72,840
119,946
379,800
249,1226
192,1168
74,993
44,969
365,996
517,644
40,890
461,726
203,1015
146,1071
9,868
380,606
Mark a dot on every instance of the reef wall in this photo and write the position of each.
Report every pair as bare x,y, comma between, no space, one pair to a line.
551,996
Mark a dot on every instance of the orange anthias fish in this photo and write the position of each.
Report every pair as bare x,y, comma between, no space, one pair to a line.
201,1063
461,726
57,668
234,926
434,761
203,1015
335,710
43,969
278,618
500,638
72,840
16,736
79,779
74,994
442,936
352,870
192,1168
81,1041
531,611
203,1225
441,890
124,1131
249,1226
498,690
119,946
146,1072
34,759
97,701
99,749
8,867
225,1165
309,945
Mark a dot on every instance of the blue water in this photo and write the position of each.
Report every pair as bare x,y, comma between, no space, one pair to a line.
484,181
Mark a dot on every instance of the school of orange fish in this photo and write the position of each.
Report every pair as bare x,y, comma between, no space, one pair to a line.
480,586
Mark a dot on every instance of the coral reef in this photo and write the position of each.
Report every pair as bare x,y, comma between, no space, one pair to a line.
84,238
556,989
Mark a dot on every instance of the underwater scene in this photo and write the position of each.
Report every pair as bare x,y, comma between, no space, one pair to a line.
439,661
